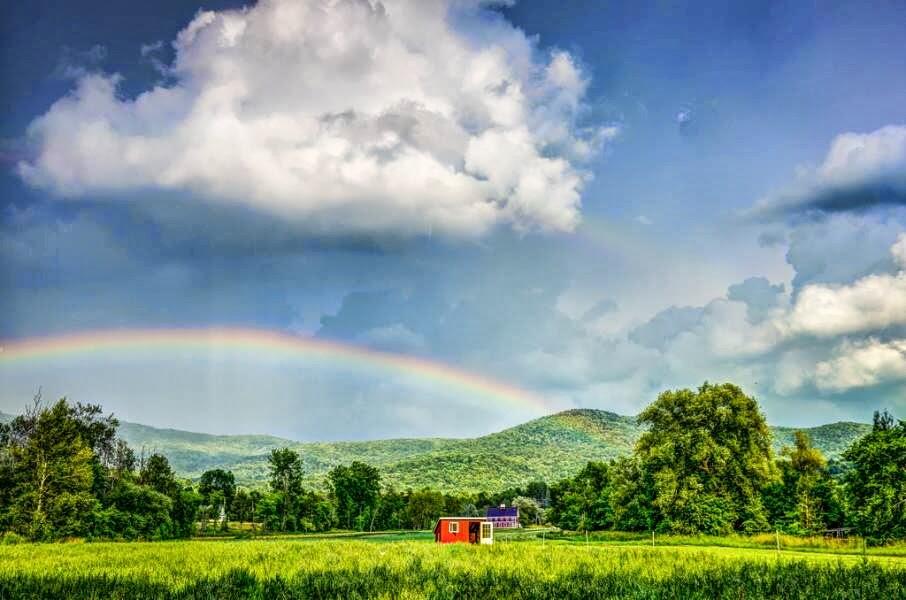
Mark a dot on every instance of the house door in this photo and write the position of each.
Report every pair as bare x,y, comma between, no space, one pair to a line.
474,533
487,532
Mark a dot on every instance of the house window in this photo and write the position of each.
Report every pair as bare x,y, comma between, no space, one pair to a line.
453,527
485,530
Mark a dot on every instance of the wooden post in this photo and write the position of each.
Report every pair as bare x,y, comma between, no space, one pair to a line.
777,537
652,538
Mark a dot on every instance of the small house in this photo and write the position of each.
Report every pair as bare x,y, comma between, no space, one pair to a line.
469,530
503,516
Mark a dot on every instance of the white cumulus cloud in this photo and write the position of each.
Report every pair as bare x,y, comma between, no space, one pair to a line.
868,304
863,364
347,116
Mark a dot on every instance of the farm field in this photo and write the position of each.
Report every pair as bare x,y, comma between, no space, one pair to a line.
410,566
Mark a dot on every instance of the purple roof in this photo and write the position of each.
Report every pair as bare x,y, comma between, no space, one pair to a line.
509,511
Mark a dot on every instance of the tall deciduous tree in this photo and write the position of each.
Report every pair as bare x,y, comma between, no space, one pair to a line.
355,490
218,487
583,502
708,454
157,474
876,482
285,478
53,474
808,482
423,508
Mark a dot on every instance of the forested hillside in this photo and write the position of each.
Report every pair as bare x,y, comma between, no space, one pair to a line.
832,439
548,448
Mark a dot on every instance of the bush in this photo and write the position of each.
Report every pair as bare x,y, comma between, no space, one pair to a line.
10,537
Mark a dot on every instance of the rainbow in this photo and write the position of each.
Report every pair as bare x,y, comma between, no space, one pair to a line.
263,342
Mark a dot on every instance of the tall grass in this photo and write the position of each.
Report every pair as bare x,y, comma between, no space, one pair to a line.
360,569
852,545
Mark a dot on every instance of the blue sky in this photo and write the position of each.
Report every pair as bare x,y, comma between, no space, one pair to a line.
594,202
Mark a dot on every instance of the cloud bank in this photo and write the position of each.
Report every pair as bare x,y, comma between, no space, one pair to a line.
860,171
863,364
835,337
340,116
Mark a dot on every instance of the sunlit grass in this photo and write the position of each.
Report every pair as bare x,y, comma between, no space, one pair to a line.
415,569
769,541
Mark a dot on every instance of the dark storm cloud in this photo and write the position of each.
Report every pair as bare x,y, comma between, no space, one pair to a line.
666,325
841,248
758,294
860,171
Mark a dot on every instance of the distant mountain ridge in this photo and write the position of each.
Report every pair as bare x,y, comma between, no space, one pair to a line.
549,448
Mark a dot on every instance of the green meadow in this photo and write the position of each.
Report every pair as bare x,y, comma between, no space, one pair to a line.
405,565
692,513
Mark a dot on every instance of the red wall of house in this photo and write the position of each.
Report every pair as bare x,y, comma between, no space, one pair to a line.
442,531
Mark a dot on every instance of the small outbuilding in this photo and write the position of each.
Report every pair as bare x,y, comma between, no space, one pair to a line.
468,530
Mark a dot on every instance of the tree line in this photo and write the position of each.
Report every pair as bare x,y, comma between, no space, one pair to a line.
65,473
704,465
354,500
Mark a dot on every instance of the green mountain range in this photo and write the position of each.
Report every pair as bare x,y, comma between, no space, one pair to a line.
548,448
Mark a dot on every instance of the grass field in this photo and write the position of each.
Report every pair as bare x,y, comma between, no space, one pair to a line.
766,541
400,566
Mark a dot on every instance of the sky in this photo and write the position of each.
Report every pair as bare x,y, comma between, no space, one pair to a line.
579,205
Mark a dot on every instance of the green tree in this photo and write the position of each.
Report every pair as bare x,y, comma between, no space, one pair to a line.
184,511
243,509
809,467
267,512
423,508
707,454
137,511
52,474
157,474
805,499
8,474
217,488
540,491
583,502
63,472
124,461
876,480
632,497
530,512
255,497
391,511
355,490
285,478
317,513
97,431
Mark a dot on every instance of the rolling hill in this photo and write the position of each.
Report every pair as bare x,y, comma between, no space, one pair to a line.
548,448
